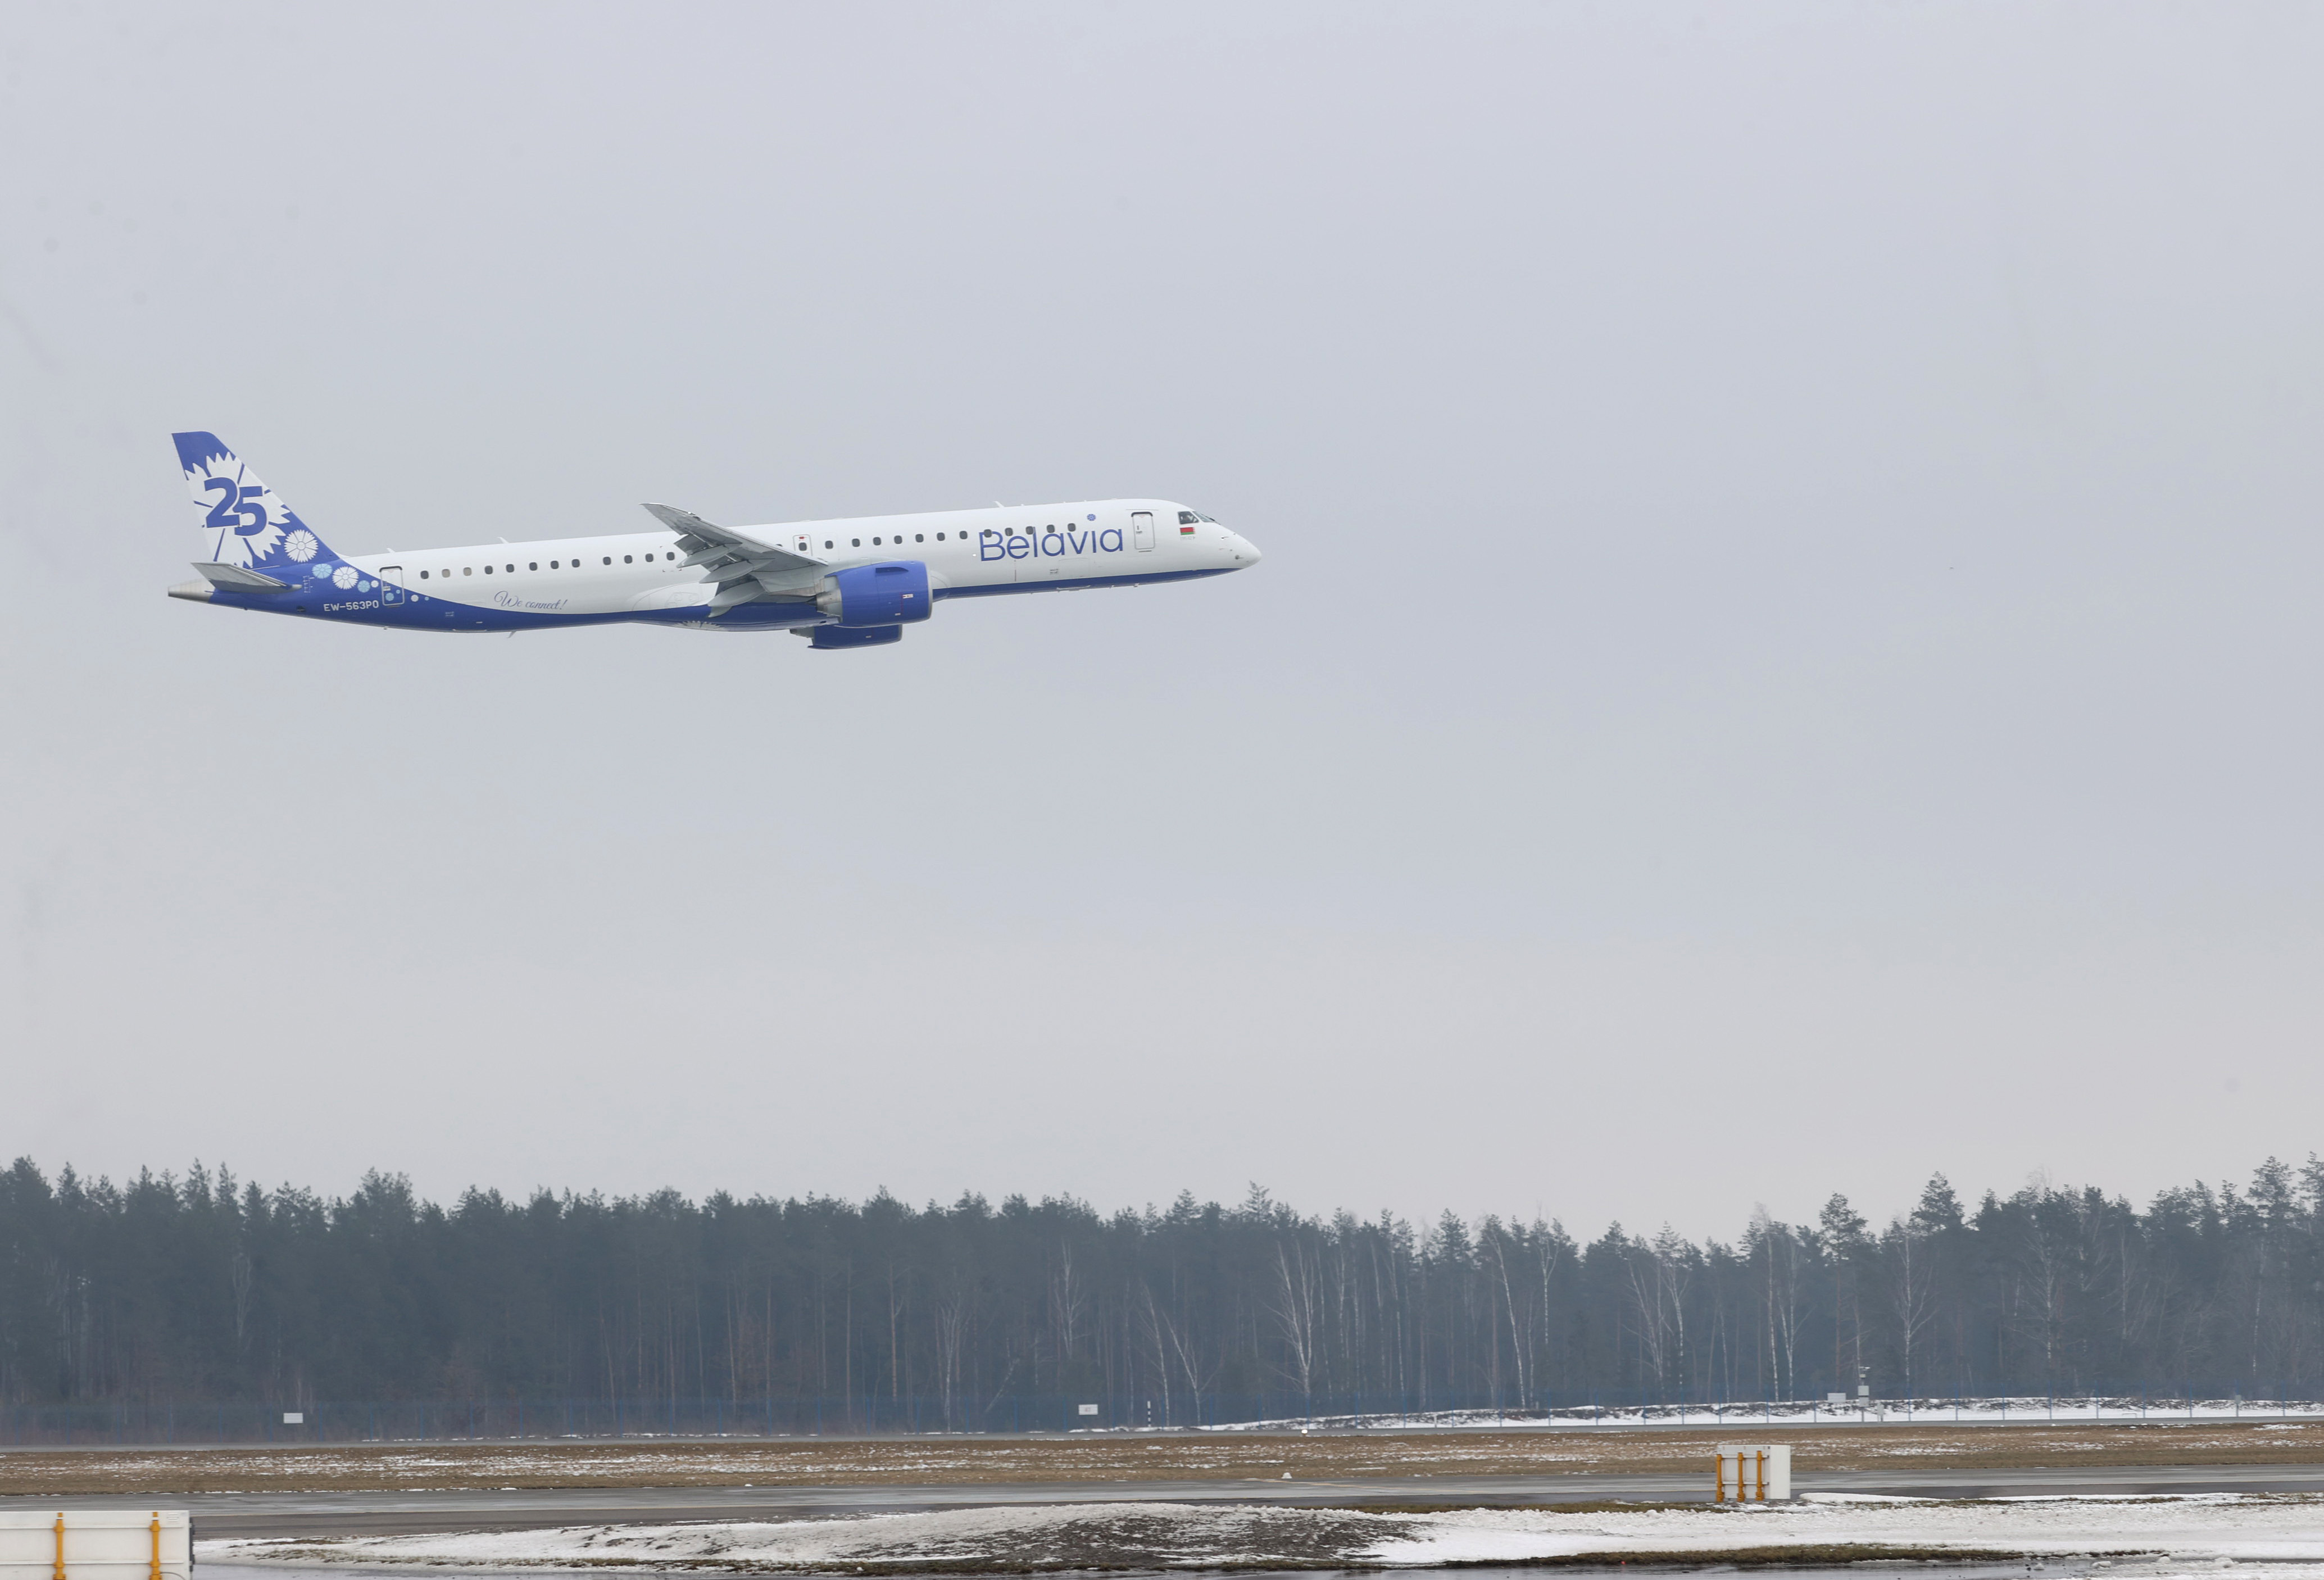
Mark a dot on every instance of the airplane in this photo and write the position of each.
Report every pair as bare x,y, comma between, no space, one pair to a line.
840,584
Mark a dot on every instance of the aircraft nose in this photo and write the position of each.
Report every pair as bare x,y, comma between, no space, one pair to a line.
1246,551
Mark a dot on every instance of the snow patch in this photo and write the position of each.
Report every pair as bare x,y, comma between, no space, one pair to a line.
2152,1536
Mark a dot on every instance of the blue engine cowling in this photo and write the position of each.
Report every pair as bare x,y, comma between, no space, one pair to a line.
894,594
831,636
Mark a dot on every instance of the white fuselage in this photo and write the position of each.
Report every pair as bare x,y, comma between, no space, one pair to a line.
1005,548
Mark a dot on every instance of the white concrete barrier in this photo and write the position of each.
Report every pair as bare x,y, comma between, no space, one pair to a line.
1753,1472
63,1543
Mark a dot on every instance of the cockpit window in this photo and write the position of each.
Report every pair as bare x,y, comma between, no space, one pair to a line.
1187,518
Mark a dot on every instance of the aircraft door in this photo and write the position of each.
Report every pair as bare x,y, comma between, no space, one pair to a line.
1141,530
390,584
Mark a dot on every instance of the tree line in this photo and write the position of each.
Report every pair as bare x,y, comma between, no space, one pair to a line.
195,1287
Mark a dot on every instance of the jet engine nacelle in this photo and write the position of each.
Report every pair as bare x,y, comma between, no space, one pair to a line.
894,594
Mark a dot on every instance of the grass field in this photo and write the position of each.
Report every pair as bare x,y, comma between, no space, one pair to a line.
839,1461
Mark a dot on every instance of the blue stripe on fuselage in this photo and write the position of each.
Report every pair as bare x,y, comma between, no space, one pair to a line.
420,612
426,614
1063,582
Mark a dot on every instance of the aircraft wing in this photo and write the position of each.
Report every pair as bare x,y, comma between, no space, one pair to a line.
745,568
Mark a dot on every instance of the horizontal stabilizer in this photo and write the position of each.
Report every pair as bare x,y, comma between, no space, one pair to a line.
238,579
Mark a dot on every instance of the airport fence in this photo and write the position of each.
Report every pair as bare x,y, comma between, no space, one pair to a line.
253,1422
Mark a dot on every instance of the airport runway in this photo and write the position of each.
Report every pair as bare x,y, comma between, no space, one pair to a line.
260,1514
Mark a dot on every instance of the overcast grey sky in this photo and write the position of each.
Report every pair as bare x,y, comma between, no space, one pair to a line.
1786,659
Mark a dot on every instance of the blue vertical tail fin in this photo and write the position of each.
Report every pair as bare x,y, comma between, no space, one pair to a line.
243,523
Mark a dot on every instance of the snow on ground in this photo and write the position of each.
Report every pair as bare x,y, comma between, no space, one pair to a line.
2203,1530
2148,1536
1877,1412
1055,1537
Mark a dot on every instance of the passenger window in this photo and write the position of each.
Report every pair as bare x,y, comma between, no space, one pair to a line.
488,570
467,570
625,560
423,576
875,542
827,542
939,537
919,536
609,560
855,542
509,568
532,565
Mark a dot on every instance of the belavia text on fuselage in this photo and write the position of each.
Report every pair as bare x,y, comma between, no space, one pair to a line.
841,583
